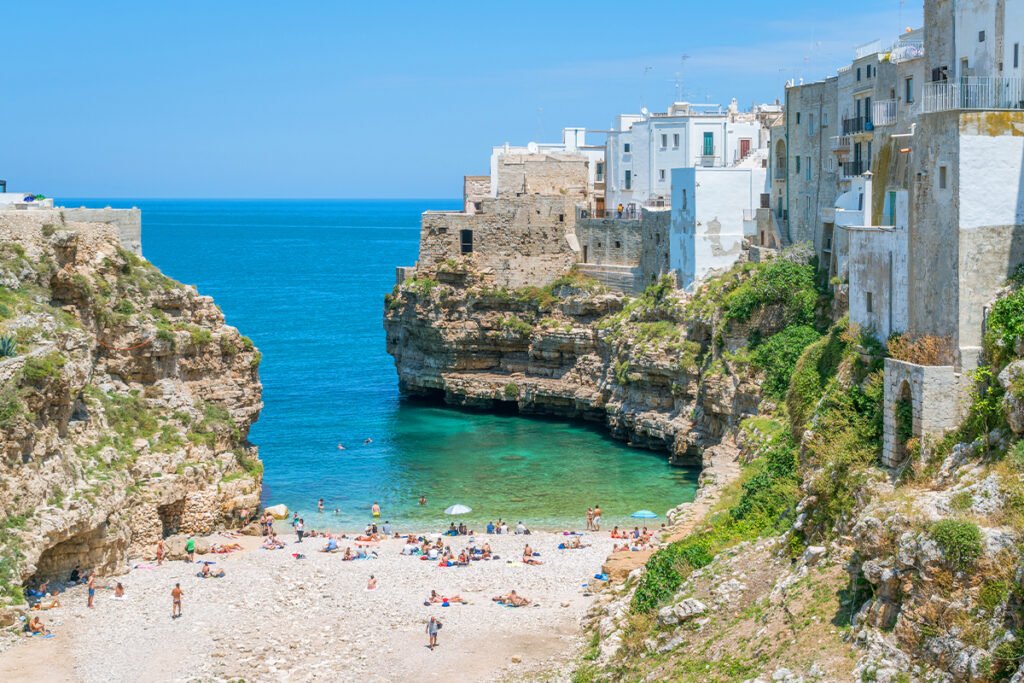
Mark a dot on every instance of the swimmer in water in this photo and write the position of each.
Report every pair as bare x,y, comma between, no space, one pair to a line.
423,500
341,447
320,505
368,442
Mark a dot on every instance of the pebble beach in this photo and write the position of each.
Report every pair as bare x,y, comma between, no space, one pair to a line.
276,618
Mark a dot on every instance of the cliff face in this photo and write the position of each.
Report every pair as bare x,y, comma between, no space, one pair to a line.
125,402
659,370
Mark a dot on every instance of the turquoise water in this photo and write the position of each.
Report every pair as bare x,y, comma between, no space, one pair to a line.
306,280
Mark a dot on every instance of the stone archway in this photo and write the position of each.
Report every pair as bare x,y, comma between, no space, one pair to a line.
922,401
904,418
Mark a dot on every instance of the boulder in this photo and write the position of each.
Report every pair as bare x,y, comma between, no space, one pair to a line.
174,547
1011,378
278,511
813,554
202,546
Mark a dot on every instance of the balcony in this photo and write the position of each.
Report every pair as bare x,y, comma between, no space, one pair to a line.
858,124
884,113
840,143
973,93
852,169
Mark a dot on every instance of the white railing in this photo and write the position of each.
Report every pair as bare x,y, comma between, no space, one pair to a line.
973,93
868,49
884,113
905,50
840,142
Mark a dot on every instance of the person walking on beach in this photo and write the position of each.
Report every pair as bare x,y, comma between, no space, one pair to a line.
597,518
433,626
92,589
176,594
160,552
190,549
300,528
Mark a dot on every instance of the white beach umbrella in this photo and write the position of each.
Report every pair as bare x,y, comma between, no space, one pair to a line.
458,510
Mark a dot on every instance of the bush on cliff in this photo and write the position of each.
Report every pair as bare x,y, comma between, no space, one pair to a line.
777,357
1004,326
959,541
42,368
784,282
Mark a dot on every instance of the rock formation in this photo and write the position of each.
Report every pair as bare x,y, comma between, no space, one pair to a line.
125,402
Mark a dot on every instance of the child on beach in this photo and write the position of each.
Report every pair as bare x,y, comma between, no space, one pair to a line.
433,627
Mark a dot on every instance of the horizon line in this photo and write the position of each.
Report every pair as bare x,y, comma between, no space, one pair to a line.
279,199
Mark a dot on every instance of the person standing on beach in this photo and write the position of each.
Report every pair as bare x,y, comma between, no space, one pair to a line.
176,594
433,626
597,518
590,519
92,589
160,552
190,549
300,528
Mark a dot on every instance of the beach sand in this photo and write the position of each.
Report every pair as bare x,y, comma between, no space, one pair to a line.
275,618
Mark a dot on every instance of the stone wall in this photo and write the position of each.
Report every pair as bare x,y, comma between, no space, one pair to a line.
543,174
127,222
475,189
519,241
936,393
655,244
609,241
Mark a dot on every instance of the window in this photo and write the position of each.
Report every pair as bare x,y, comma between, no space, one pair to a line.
797,165
599,172
664,140
867,71
807,168
943,180
1016,55
709,144
675,140
798,118
824,119
683,207
908,91
629,180
981,36
561,218
892,209
466,241
618,245
661,174
858,73
810,124
869,302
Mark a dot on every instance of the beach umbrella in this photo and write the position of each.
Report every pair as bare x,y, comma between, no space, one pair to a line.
643,514
458,510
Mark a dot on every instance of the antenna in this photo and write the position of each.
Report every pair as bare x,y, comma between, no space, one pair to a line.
679,78
644,86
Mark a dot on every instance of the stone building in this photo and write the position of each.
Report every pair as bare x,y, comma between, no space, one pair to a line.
526,233
127,221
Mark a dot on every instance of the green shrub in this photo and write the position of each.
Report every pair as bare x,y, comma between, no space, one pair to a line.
782,282
42,368
11,407
993,594
8,347
1004,326
199,336
422,286
513,323
777,357
815,367
511,391
959,541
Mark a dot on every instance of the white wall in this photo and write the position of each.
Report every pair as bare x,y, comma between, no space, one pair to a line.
708,227
878,267
574,141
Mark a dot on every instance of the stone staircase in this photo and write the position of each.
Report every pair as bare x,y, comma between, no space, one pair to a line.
625,279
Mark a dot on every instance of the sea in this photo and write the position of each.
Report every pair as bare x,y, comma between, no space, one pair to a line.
306,279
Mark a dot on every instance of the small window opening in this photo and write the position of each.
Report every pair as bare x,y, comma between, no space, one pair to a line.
943,177
869,303
466,241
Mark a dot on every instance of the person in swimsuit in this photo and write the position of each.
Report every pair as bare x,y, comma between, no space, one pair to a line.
320,505
433,626
176,594
160,552
423,500
375,509
92,589
597,518
528,556
371,585
119,591
590,519
367,442
36,626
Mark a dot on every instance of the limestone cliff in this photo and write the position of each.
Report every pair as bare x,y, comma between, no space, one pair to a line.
125,402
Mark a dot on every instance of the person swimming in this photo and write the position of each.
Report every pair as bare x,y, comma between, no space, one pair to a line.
367,442
341,447
423,500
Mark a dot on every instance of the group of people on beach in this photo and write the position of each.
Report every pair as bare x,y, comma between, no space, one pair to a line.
594,518
634,540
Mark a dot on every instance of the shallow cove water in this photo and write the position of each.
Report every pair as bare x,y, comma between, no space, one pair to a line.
306,280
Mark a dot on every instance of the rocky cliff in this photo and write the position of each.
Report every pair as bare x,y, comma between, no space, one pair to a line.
125,402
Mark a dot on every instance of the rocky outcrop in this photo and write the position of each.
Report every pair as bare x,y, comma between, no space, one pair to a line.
651,372
125,402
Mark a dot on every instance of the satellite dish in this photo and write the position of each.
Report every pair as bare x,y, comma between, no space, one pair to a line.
643,110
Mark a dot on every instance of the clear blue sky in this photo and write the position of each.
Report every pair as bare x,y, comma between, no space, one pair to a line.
371,99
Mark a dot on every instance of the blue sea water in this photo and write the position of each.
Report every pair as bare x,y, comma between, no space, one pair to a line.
306,280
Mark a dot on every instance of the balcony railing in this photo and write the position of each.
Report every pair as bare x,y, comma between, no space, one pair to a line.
840,142
884,113
852,169
973,93
854,125
905,50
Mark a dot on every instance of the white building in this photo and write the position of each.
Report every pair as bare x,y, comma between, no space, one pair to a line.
713,210
643,149
574,141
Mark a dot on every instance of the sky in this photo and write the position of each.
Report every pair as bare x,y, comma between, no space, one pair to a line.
381,99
